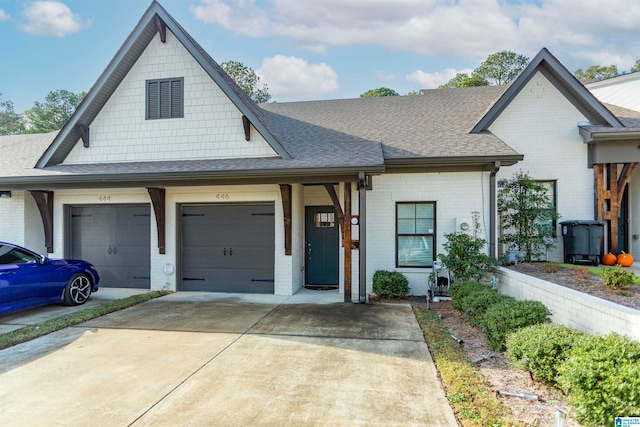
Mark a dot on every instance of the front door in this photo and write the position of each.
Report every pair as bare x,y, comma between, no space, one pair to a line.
623,220
322,237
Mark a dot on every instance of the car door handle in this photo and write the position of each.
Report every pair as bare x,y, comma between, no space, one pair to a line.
6,273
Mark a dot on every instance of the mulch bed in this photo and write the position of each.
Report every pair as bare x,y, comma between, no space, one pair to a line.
581,280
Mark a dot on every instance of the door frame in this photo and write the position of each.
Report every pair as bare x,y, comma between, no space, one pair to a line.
306,239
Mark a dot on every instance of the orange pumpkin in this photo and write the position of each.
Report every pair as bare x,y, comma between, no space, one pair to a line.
609,259
625,259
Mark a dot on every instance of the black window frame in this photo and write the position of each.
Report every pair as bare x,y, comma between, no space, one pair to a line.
431,235
174,107
553,186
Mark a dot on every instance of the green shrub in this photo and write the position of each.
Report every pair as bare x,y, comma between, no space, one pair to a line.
540,349
510,315
477,304
390,283
602,379
617,277
461,290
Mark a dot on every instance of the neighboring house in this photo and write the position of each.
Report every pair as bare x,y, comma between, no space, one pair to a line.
168,175
623,91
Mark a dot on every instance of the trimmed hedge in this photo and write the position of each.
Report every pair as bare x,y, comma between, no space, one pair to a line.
477,304
510,315
461,290
602,379
390,284
541,349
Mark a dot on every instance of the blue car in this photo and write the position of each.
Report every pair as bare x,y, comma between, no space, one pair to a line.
28,279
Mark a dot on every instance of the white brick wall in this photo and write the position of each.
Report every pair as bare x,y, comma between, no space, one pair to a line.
541,124
211,127
12,218
455,194
572,308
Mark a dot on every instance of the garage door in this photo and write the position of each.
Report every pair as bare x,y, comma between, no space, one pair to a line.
228,248
116,239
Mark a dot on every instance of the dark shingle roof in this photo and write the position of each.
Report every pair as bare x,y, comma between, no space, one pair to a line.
435,124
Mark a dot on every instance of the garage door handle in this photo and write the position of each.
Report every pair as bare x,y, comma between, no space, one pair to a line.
225,251
230,251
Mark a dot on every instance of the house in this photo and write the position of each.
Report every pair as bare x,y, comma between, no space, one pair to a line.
169,176
623,90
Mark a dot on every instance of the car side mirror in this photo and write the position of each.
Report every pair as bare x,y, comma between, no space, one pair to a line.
43,259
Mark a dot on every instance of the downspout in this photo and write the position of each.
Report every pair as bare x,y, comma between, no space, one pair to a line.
492,211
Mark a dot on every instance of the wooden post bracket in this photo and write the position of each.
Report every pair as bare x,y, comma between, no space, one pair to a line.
44,201
158,200
162,29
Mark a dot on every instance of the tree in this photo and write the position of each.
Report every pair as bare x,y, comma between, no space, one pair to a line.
248,81
381,91
54,112
636,67
526,211
11,123
597,72
498,69
464,80
501,67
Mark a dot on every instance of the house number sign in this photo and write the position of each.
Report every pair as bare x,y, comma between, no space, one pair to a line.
104,198
222,196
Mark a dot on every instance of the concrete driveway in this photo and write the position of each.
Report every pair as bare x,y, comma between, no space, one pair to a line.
189,359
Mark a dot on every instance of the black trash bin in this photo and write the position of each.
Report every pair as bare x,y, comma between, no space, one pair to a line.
582,241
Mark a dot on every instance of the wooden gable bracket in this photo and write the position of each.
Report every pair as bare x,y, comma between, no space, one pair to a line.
610,212
158,200
84,134
246,124
44,201
162,29
285,191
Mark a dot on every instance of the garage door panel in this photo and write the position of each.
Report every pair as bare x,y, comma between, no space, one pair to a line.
228,248
116,239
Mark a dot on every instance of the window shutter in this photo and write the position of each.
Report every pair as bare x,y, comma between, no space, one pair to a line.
177,98
153,92
165,100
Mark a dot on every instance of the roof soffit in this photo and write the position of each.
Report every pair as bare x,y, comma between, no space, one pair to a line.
564,81
121,64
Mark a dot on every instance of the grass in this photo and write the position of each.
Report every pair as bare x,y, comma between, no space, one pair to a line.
30,332
474,403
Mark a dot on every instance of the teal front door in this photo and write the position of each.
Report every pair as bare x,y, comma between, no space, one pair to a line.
322,240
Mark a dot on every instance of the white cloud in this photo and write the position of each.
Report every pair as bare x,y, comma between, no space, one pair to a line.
294,79
584,29
433,80
51,18
4,16
387,77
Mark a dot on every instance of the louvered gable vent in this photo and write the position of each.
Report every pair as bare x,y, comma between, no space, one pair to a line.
165,98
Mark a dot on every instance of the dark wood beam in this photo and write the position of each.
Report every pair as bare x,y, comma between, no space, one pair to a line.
285,191
336,204
158,200
347,242
44,201
624,178
246,124
84,134
162,29
362,255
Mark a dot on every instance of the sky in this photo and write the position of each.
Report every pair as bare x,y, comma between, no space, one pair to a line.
314,49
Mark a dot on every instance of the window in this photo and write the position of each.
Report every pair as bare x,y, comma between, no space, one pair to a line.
548,228
324,220
415,231
165,98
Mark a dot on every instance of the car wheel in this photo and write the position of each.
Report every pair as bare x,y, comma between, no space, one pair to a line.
77,290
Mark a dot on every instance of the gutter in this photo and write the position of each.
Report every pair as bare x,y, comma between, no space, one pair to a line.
492,211
594,136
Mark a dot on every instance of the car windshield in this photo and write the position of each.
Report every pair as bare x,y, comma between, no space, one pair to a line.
12,255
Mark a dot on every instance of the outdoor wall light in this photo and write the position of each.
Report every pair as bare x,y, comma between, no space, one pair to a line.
5,194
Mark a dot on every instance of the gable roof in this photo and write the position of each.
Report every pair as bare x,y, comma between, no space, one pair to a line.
125,58
564,81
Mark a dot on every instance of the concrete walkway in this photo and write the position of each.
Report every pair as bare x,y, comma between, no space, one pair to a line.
211,359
